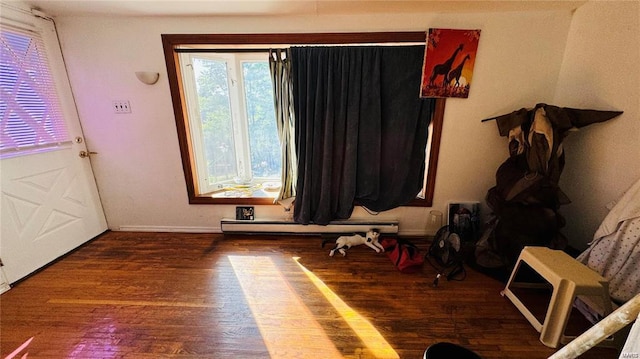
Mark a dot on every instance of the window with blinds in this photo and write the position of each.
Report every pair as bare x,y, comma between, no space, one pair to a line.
31,118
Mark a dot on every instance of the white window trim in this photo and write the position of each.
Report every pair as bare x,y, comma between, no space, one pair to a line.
239,114
238,109
193,111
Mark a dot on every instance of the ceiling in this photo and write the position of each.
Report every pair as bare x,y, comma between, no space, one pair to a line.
58,8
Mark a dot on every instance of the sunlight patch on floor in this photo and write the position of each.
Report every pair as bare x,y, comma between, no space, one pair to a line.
288,328
377,346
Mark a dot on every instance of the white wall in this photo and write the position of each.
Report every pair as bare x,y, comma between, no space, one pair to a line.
600,71
138,168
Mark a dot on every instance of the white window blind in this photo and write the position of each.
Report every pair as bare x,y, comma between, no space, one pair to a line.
31,117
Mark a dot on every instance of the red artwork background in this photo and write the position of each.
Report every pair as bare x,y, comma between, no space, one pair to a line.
449,55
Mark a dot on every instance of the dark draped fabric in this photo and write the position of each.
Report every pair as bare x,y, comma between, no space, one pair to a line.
360,129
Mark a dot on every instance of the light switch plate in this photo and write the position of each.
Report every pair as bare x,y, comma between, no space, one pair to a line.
121,106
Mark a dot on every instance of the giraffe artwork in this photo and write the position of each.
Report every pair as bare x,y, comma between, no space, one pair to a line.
449,60
443,68
457,72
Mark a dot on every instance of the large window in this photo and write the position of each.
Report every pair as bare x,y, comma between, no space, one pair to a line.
229,100
221,90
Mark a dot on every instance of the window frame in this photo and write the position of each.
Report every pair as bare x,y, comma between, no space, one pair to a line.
172,42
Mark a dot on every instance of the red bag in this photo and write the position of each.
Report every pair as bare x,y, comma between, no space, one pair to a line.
404,255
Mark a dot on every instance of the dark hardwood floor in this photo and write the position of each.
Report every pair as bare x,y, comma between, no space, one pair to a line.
168,295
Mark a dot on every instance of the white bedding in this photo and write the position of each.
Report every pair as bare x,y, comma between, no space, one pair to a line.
615,249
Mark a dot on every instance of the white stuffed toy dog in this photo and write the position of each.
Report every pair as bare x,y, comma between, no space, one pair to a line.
371,239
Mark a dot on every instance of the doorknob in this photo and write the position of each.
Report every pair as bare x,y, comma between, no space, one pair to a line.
84,154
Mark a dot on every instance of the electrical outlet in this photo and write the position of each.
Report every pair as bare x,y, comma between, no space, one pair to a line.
121,106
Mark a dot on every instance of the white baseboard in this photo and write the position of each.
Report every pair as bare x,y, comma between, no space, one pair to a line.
290,227
172,229
218,229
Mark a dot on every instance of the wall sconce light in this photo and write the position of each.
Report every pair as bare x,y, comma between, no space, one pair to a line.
147,77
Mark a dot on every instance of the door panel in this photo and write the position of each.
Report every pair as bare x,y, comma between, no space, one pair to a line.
49,207
49,200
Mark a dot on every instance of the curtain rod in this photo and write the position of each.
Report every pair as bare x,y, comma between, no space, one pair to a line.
262,49
225,50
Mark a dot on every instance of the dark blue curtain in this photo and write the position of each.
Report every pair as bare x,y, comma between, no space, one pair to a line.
360,129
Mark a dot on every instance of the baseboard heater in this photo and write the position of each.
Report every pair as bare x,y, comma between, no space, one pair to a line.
279,226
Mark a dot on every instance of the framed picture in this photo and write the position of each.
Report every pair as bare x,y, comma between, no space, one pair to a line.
449,58
244,213
464,219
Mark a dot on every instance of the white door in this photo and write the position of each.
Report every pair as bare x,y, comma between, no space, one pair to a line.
50,203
